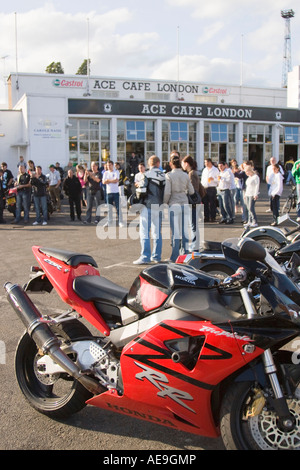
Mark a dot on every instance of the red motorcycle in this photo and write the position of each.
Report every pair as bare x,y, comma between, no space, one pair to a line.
180,348
11,201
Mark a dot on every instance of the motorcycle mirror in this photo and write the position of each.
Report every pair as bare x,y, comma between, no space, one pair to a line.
252,250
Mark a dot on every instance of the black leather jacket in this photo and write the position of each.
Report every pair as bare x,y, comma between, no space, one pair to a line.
153,184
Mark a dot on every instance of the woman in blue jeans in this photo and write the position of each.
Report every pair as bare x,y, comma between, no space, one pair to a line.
178,185
251,196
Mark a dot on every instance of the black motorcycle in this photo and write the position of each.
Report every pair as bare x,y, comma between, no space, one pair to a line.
273,238
212,259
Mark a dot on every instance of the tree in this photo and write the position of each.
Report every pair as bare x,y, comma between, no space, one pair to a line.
54,67
83,69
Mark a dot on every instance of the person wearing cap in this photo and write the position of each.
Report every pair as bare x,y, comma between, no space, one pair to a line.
54,187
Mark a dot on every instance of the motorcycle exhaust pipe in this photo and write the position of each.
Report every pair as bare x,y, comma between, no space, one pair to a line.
44,338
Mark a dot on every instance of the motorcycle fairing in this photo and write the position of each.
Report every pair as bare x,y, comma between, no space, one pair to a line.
62,270
155,284
288,250
273,232
156,388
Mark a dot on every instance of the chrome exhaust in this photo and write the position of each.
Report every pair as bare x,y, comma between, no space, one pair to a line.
44,338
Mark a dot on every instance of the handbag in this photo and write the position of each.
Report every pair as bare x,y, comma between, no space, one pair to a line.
194,198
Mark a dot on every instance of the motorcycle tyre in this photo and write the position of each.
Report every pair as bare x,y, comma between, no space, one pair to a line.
39,395
219,270
274,244
236,434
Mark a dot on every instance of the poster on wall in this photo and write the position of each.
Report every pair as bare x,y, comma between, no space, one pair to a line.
48,129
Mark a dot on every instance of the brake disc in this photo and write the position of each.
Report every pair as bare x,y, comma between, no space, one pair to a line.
268,436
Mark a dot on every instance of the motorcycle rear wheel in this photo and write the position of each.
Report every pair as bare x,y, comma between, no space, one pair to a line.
269,243
57,396
260,432
219,270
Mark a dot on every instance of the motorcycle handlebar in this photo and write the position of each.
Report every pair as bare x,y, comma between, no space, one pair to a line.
240,275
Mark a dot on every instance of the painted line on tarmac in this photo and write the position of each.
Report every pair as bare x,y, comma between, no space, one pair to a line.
114,265
124,264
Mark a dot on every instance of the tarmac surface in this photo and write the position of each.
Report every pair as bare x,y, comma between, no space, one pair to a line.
22,428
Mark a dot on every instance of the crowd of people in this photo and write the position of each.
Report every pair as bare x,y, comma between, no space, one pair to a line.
223,189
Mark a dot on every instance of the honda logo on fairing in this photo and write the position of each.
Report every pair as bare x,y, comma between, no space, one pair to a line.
160,381
188,277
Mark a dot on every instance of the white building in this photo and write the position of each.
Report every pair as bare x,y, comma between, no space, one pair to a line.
57,118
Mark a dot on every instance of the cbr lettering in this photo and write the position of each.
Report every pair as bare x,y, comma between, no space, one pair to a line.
57,266
159,380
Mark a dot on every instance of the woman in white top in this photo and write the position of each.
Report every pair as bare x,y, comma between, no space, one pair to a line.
251,196
275,191
178,184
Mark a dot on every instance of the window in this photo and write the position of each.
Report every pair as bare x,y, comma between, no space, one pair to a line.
291,135
178,131
135,130
87,139
179,136
219,133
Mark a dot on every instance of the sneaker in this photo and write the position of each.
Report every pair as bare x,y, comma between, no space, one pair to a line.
36,223
268,210
45,223
298,219
274,224
254,225
140,261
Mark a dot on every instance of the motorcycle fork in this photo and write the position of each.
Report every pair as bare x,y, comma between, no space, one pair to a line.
286,421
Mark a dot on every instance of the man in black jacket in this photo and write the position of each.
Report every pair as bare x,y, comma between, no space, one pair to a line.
72,188
39,184
153,184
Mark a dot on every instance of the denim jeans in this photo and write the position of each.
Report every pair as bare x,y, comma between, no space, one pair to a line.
114,199
275,206
90,199
226,208
150,222
239,198
194,221
40,203
22,204
179,223
250,203
298,199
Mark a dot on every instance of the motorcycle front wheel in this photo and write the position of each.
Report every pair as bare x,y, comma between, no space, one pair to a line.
59,395
259,432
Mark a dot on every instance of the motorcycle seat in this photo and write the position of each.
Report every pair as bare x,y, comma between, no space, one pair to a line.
69,257
99,289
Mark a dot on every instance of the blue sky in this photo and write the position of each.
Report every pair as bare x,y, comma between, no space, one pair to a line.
141,39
